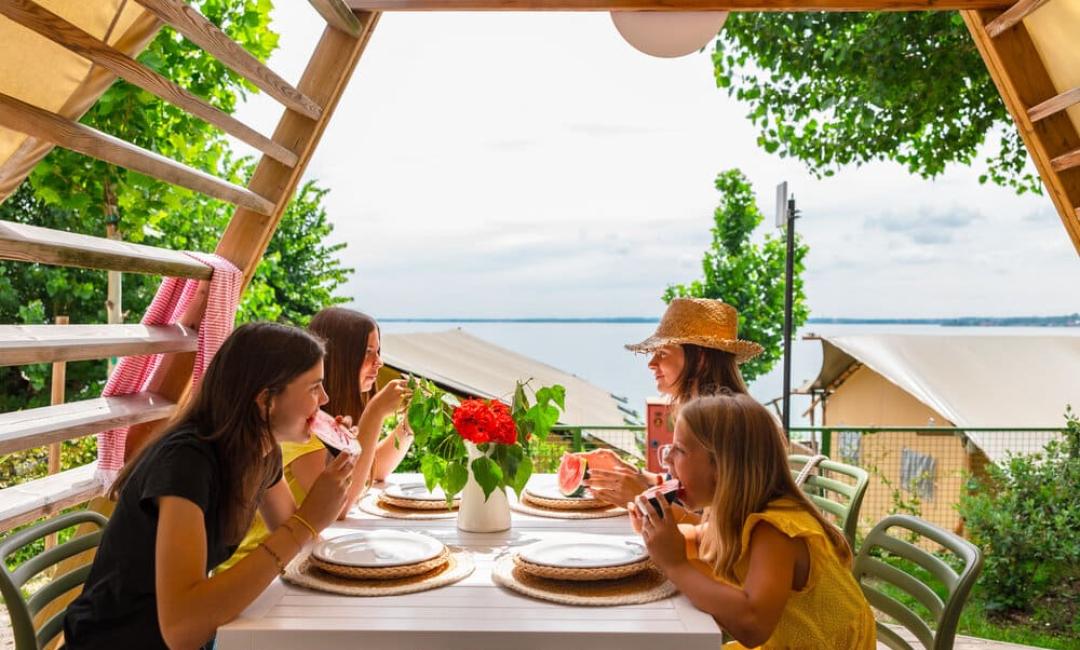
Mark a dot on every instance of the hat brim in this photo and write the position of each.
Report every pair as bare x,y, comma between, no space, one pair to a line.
743,350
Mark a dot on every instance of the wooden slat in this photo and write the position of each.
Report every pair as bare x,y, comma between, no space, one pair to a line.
1022,80
1055,104
1066,161
58,30
37,427
25,118
28,501
23,344
248,233
26,243
336,14
673,5
200,31
1012,16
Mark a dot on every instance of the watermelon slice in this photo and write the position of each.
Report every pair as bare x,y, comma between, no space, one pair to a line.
334,435
599,459
572,472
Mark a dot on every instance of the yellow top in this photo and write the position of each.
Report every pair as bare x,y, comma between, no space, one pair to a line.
290,451
830,611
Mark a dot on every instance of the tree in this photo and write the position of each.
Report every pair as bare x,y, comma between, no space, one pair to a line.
68,191
834,89
747,275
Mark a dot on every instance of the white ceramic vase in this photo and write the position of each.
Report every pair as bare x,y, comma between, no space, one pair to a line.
479,515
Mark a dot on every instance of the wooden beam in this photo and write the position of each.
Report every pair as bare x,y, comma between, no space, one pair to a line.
673,5
25,118
1022,80
336,14
24,344
28,501
46,246
245,240
200,31
1012,16
1055,104
37,427
1066,160
58,30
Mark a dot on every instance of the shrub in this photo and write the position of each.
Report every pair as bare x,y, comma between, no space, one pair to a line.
1025,515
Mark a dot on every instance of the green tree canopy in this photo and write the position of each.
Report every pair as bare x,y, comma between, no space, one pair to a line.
747,275
835,89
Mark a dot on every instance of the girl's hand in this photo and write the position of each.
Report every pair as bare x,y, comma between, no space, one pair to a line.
327,495
666,544
616,486
636,520
392,396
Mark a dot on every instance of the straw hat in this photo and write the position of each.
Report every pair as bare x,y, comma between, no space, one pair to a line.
698,321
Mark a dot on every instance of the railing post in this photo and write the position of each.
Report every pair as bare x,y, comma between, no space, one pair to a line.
59,378
577,443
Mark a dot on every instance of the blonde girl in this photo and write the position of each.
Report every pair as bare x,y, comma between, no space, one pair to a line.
763,562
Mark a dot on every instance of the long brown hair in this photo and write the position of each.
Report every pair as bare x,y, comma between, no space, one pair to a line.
346,333
749,454
705,372
224,412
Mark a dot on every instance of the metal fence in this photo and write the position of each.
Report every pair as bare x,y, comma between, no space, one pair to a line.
916,470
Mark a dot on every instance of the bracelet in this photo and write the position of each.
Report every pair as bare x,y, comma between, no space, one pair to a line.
314,533
277,558
297,538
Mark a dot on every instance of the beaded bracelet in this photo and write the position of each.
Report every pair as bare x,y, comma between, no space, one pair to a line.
277,558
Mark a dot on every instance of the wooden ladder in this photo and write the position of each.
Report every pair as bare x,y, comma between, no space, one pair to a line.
1036,105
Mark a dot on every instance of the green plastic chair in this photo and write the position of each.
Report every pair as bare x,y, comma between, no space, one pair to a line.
23,610
841,499
946,613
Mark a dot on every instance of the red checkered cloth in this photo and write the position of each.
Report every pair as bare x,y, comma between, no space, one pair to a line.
134,373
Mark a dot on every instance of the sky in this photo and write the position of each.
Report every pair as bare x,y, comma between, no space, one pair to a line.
530,165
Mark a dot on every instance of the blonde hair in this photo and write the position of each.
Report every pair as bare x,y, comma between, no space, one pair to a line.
749,454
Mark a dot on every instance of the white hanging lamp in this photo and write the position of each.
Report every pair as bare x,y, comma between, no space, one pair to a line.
668,34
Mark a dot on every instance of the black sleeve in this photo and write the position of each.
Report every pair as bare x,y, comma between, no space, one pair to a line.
180,470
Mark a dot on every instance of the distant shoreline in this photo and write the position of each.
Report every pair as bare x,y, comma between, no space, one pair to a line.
1069,320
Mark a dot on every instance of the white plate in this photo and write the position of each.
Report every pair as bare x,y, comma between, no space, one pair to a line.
547,488
378,548
415,492
586,552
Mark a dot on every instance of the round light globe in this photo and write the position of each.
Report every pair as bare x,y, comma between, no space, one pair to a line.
668,34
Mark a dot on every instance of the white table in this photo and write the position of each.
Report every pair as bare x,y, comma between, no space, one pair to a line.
474,614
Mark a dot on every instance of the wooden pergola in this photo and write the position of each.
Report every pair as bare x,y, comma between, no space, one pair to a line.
1039,108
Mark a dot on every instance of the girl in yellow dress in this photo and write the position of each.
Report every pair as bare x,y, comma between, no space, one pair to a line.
762,561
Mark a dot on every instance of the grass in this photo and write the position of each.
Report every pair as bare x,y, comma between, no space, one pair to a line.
1047,626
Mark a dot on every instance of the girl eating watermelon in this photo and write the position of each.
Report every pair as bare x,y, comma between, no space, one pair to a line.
763,562
353,360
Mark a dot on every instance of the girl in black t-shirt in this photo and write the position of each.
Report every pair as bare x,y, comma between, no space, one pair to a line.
185,502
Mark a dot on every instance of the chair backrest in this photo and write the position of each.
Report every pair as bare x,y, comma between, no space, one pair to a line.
957,584
23,610
840,498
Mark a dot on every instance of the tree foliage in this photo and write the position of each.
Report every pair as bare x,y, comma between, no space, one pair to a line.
835,89
748,275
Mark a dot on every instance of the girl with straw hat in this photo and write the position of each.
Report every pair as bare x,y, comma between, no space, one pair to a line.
695,351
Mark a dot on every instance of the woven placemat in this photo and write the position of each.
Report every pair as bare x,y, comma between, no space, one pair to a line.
582,574
302,573
562,504
415,504
594,513
373,506
382,573
644,587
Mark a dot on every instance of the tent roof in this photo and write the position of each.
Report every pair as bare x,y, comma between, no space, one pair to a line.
47,75
980,381
463,362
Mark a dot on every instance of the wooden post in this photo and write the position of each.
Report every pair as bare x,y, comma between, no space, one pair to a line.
59,377
112,300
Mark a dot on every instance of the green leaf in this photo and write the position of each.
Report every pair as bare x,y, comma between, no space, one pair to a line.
487,474
521,476
455,479
434,469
